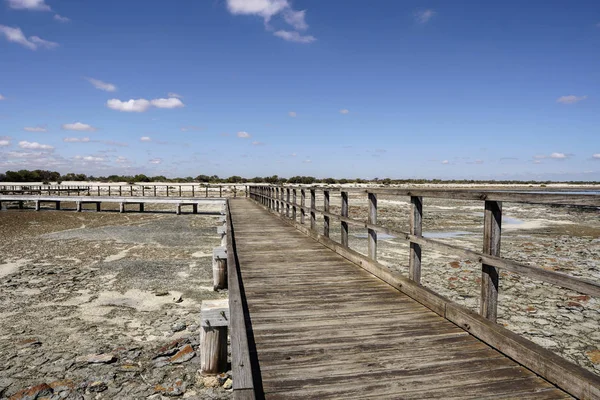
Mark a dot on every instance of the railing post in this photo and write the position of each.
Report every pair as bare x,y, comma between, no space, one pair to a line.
344,225
326,209
372,234
313,213
416,229
287,204
294,206
281,197
302,205
277,199
246,190
492,225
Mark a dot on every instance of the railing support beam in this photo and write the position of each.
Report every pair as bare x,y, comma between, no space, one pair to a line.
492,226
416,228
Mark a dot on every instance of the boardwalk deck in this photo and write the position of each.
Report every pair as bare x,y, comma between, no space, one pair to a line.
325,328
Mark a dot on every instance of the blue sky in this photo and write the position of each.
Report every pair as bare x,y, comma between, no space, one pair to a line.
400,89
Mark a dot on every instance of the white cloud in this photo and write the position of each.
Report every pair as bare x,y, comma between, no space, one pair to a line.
121,160
155,161
424,16
292,114
139,105
267,9
76,140
89,159
295,19
293,36
34,5
171,94
34,146
445,162
344,111
60,18
78,126
596,156
171,102
16,35
243,135
145,139
35,129
2,97
98,84
558,156
4,143
570,99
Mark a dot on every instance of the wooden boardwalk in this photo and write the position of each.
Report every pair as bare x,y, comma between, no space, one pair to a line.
325,328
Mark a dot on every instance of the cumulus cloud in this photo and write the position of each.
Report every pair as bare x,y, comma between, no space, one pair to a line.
34,146
121,160
596,156
267,9
570,99
344,111
4,142
171,102
16,35
424,16
92,159
98,84
293,36
139,105
2,97
145,139
155,161
76,140
558,156
60,18
35,129
78,126
243,135
33,5
445,162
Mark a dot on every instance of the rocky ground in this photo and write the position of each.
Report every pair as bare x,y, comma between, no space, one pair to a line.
105,305
558,238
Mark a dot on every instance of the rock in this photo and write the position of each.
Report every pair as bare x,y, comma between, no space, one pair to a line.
161,293
29,342
178,299
594,356
177,389
97,358
178,326
228,384
192,328
62,385
210,381
183,355
97,386
33,392
171,348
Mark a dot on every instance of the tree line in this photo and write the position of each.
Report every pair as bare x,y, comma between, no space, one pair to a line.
46,177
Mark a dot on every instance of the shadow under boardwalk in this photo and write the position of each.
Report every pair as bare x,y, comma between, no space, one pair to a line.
325,328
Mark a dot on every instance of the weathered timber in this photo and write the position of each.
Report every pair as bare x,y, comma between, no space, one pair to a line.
491,245
372,233
213,336
416,228
219,267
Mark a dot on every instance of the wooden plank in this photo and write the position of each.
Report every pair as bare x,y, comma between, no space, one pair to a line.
372,234
344,225
491,245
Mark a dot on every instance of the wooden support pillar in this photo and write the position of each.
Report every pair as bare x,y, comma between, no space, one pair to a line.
98,190
326,209
154,190
167,190
344,225
178,209
206,190
287,204
98,206
57,203
37,205
143,190
21,206
416,228
141,207
372,234
120,190
219,265
492,228
195,208
302,205
313,213
214,316
193,191
78,205
220,191
277,199
130,191
294,206
121,207
222,232
234,191
109,190
246,190
179,190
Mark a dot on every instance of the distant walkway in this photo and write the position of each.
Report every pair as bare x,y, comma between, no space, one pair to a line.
325,328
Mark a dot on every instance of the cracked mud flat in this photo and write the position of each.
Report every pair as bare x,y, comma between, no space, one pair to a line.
558,238
105,305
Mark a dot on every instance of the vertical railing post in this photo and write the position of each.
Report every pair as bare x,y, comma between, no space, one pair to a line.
372,234
492,226
277,199
294,206
344,225
326,209
416,229
281,197
246,190
302,205
313,213
287,204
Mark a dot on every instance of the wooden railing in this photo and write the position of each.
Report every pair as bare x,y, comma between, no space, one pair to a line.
284,199
198,190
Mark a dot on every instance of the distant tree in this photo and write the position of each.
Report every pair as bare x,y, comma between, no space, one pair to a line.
234,179
141,178
203,178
